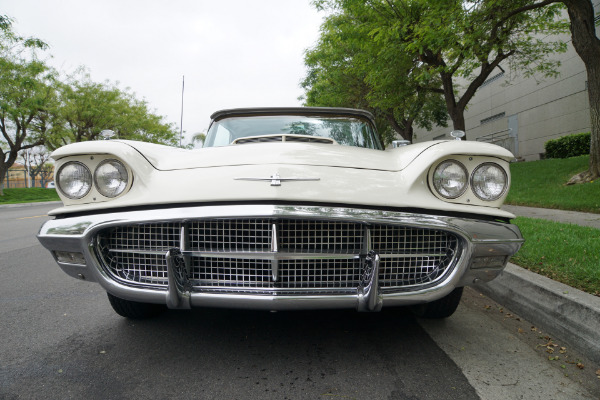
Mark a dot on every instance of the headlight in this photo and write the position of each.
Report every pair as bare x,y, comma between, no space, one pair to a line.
450,179
489,181
74,180
111,178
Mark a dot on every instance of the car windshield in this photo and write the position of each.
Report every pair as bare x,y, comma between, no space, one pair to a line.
347,131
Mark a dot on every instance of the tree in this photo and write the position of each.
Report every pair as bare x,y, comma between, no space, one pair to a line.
26,93
461,42
37,164
348,69
199,137
87,108
587,45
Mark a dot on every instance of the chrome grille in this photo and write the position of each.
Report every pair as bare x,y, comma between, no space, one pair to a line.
318,274
306,236
230,235
278,255
412,256
231,273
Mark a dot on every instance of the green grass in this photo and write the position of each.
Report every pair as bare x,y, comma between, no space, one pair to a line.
30,195
564,252
542,184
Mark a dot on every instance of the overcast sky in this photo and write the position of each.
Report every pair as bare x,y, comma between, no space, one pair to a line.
233,53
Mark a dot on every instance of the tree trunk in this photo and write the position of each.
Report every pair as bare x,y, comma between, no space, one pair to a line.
404,128
587,45
456,112
458,119
593,72
3,170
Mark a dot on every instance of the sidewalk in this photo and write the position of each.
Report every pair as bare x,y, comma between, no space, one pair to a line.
567,217
568,313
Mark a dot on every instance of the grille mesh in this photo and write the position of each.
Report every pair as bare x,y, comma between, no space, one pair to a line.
419,256
231,235
229,254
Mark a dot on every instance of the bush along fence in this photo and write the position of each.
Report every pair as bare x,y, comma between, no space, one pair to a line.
17,178
568,146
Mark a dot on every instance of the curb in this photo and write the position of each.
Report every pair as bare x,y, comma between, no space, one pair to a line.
568,313
19,205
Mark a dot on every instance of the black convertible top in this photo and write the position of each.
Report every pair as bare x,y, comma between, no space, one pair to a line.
235,112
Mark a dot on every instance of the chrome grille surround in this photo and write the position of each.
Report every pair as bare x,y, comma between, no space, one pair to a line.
275,255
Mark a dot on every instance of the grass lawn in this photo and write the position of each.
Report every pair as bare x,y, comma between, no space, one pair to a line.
542,184
30,195
564,252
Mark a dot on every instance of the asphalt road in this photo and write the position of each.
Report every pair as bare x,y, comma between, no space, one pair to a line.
59,338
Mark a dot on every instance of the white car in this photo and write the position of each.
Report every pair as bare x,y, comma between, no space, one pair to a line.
283,209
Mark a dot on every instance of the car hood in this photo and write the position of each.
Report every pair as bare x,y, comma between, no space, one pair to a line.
275,153
166,158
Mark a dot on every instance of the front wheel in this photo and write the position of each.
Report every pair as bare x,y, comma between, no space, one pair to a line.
441,308
133,309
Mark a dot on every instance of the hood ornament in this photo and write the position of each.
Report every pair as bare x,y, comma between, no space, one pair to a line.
276,180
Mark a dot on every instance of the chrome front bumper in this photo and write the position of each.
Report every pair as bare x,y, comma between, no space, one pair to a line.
486,247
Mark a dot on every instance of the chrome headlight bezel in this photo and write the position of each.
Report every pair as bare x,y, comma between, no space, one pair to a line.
438,180
86,182
121,178
476,183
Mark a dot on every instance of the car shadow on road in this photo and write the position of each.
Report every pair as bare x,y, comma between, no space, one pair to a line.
237,354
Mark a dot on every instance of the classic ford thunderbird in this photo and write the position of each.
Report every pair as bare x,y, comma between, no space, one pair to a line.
283,209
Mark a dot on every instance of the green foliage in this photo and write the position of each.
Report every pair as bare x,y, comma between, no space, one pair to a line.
568,146
450,46
12,44
347,68
564,252
542,184
87,108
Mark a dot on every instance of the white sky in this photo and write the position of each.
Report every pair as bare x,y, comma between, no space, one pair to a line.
233,53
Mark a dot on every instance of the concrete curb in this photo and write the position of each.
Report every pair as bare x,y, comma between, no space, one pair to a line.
565,312
41,203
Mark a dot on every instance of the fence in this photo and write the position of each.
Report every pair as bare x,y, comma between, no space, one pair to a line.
18,178
501,138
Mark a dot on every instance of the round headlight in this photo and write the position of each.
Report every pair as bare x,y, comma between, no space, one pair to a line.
450,179
111,178
74,180
489,181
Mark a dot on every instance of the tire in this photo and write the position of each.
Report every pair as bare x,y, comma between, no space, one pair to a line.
441,308
133,309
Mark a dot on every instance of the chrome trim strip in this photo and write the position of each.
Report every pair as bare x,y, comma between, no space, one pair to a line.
276,180
473,230
275,255
274,250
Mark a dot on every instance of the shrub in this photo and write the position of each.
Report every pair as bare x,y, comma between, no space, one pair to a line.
568,146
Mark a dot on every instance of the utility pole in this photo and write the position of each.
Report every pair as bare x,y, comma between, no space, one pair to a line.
181,121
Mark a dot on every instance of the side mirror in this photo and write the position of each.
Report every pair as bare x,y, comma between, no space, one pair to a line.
400,143
107,134
458,135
